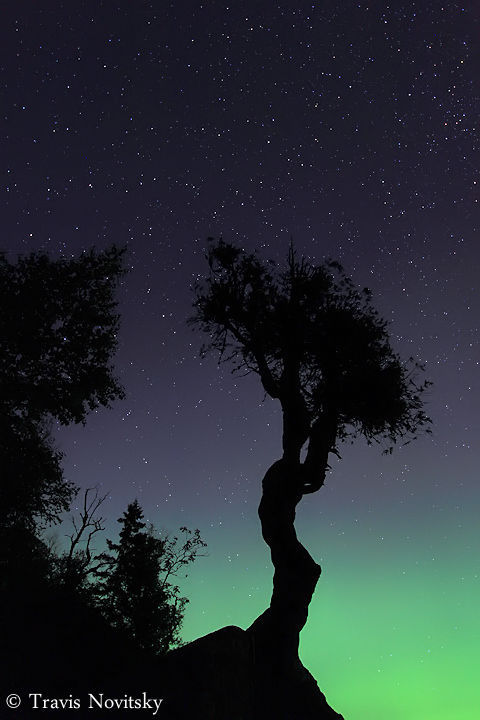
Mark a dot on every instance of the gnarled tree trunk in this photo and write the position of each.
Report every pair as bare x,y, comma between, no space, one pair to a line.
284,688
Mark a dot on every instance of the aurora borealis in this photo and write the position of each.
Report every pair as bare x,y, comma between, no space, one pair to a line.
353,128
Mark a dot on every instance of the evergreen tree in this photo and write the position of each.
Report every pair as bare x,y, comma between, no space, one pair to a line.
134,592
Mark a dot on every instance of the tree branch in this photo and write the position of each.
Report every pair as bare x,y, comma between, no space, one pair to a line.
87,520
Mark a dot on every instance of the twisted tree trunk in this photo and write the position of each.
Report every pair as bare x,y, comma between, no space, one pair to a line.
285,689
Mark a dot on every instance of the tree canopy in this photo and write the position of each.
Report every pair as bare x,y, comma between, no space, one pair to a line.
318,346
58,334
58,330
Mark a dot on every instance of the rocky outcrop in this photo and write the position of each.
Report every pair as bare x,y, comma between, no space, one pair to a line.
223,677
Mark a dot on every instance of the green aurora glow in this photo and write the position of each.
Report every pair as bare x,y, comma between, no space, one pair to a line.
393,629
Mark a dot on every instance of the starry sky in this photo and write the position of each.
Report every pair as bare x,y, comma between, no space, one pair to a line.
352,128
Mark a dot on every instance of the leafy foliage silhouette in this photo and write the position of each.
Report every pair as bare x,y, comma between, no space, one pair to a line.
58,329
318,346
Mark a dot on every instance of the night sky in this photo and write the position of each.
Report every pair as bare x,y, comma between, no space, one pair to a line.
352,128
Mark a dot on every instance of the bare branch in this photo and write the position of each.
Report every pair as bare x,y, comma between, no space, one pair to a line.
87,521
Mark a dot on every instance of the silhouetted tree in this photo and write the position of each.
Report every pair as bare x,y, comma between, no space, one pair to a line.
320,348
58,331
134,592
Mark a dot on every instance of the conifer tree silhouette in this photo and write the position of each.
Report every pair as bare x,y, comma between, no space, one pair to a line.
135,592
